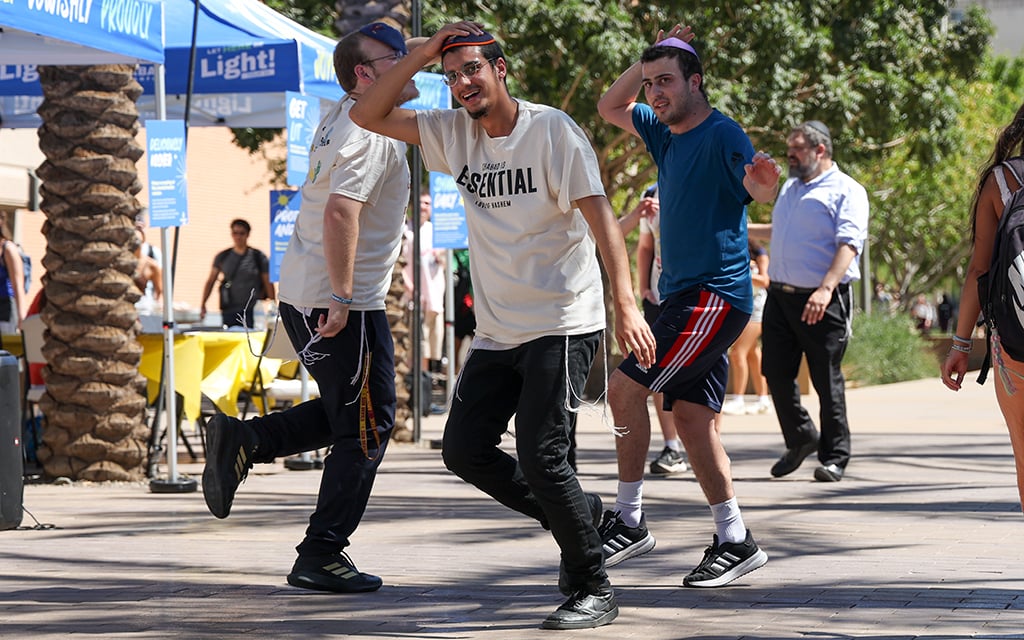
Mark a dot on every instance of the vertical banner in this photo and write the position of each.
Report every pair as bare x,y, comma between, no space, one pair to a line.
447,212
284,210
434,94
303,117
165,157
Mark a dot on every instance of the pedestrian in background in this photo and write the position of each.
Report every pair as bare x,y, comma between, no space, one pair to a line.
819,226
244,274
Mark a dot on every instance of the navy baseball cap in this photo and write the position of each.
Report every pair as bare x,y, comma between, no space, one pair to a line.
386,34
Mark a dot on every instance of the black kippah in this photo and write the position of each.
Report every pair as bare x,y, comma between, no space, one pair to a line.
472,40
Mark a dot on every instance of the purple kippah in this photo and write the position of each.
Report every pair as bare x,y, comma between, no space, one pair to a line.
472,40
678,44
386,34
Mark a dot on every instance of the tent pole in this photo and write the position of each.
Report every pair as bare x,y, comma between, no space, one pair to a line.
173,483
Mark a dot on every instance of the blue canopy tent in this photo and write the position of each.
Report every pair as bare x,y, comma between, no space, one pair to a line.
34,32
247,56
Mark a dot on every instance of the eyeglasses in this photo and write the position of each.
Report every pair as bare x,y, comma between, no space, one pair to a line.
467,71
396,56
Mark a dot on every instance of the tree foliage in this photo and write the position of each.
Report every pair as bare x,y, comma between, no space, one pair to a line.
920,229
880,73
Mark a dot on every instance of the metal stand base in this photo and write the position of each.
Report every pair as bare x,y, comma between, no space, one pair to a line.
183,484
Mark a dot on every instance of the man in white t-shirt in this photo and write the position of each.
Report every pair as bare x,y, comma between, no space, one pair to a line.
530,181
334,278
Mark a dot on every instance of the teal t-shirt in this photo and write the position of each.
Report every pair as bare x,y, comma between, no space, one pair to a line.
703,205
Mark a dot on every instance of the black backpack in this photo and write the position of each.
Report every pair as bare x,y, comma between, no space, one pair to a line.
1001,288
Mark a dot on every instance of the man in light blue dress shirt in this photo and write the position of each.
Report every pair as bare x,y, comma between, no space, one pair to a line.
819,225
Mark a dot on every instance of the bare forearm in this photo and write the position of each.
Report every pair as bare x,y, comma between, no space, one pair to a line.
616,105
845,254
341,232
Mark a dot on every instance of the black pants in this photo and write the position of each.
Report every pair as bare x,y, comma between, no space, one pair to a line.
232,316
334,420
530,381
785,339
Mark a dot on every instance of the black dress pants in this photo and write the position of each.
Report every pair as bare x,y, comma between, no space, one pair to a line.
785,339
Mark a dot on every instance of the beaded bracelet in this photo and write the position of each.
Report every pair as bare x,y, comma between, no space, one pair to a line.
340,300
965,341
960,348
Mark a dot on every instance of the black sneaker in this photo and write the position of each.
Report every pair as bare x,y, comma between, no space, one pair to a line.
669,461
334,572
595,512
621,542
585,609
725,562
230,444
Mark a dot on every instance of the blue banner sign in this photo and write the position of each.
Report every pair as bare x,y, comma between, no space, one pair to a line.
447,213
165,157
303,117
284,210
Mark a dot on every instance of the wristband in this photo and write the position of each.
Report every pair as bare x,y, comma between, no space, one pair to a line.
960,348
335,297
957,338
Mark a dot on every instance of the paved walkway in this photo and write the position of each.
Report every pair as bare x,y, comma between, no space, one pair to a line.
923,539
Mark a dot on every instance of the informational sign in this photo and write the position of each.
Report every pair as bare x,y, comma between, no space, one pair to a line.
284,211
303,117
447,213
165,157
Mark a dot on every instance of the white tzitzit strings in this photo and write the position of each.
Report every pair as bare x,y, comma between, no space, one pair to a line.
572,395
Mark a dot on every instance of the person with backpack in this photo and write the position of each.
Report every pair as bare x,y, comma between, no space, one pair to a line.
12,293
997,229
244,274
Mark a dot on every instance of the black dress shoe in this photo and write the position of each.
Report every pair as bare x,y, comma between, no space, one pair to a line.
828,473
793,458
585,609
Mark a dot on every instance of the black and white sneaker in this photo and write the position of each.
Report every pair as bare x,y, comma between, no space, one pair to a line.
726,561
621,542
669,461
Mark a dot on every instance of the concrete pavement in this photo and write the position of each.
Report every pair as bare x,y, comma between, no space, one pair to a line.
922,539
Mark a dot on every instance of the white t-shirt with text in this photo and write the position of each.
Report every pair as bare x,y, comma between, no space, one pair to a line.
532,258
365,167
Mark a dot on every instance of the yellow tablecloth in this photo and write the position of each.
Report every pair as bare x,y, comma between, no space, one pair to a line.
217,364
11,343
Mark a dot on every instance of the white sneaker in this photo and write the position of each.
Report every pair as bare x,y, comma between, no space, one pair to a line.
734,407
761,405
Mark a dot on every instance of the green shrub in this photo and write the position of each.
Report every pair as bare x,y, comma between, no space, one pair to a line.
886,348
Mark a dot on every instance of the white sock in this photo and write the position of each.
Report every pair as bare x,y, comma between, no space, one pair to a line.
733,396
630,501
674,444
729,521
765,399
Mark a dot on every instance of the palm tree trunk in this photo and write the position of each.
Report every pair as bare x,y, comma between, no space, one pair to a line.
94,406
